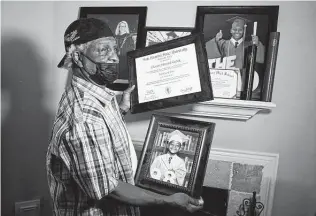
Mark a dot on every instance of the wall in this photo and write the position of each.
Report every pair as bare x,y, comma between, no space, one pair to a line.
32,45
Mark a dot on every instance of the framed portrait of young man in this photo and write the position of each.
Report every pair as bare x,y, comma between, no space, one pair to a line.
175,155
230,32
127,25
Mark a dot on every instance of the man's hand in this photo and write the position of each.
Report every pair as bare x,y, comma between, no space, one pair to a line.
185,202
125,103
255,39
219,35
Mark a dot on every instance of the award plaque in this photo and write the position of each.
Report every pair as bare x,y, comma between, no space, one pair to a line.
169,74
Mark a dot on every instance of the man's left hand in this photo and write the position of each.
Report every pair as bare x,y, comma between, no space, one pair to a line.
255,39
125,103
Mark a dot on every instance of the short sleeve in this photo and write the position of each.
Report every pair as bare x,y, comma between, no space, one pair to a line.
86,150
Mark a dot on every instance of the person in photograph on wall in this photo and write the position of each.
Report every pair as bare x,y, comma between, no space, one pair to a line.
236,45
124,38
170,167
91,161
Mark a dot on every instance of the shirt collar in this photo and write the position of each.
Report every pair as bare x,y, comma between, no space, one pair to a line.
105,95
239,41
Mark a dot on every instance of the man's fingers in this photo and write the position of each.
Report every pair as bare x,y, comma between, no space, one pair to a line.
201,201
194,201
130,89
192,208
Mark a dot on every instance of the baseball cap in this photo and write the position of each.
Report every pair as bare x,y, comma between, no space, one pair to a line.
84,30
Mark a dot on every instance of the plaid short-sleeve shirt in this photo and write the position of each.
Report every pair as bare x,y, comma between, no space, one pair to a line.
88,153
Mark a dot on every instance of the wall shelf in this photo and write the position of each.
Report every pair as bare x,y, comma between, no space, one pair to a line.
222,108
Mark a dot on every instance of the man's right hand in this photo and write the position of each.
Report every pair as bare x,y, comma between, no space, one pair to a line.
219,35
185,202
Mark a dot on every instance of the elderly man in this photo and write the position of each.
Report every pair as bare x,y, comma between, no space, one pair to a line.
235,46
91,160
170,167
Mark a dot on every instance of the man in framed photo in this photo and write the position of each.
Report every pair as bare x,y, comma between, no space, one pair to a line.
236,45
170,167
91,161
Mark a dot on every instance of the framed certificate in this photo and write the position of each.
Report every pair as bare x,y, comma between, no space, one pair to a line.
170,74
225,82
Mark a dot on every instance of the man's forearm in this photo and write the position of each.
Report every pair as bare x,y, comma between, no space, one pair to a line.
133,195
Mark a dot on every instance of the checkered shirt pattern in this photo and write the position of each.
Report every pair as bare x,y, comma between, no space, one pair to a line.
88,153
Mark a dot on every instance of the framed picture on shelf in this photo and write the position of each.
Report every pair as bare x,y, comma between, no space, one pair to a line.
127,25
229,33
156,35
169,74
175,155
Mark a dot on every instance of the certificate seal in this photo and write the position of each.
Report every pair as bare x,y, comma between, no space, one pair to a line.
168,90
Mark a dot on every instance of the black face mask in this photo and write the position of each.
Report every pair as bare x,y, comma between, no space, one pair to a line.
106,73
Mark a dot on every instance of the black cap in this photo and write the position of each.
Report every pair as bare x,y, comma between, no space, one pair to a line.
84,30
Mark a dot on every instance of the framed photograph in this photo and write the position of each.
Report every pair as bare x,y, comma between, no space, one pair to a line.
229,33
174,155
156,35
169,74
127,25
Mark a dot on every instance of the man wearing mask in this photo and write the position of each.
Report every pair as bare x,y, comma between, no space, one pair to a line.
91,160
170,167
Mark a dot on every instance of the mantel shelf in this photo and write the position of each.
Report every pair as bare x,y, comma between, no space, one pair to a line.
222,108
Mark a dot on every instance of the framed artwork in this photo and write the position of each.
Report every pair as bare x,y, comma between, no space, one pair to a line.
229,33
155,35
127,24
174,155
169,74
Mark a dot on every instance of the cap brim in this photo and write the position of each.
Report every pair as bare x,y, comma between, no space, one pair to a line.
62,62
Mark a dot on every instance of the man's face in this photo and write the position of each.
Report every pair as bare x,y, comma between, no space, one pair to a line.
237,31
122,28
101,60
102,50
174,147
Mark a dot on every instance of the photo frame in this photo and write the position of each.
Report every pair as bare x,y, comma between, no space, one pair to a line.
155,35
132,20
216,23
169,74
188,163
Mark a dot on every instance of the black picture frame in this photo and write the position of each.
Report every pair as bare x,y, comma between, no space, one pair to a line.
206,92
194,153
135,17
156,35
212,19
